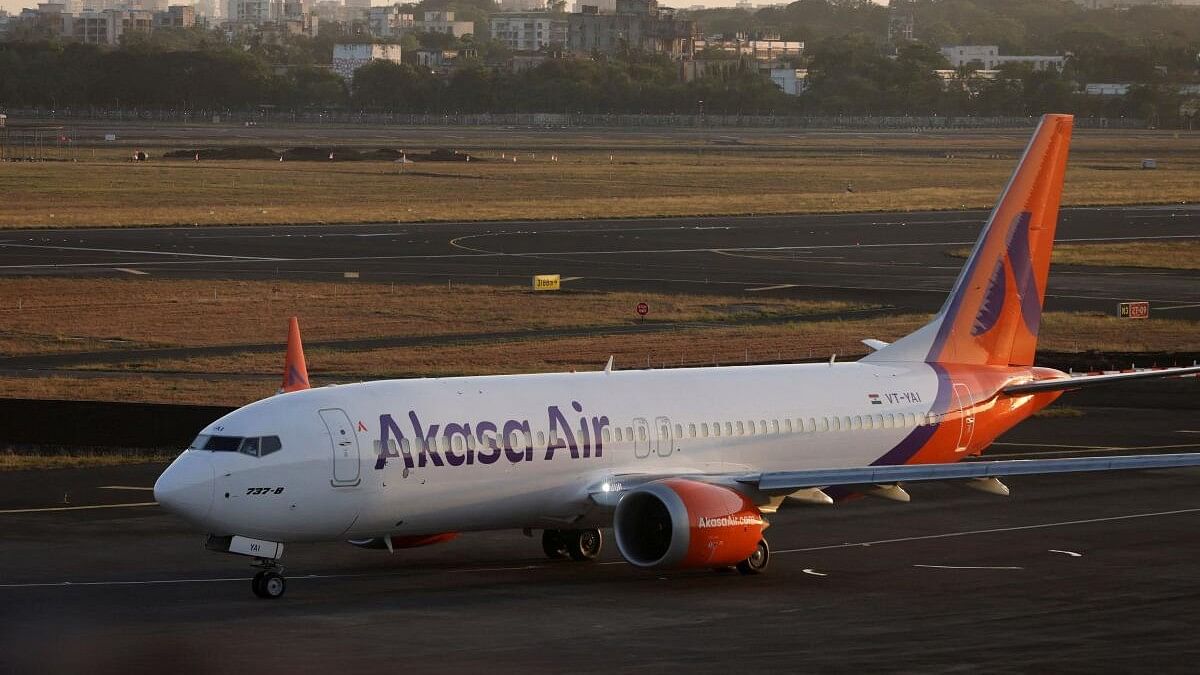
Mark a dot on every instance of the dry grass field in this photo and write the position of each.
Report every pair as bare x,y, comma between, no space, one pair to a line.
47,314
1180,254
763,172
11,460
245,377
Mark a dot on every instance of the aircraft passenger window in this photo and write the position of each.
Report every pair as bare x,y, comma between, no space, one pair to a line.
858,423
199,443
812,424
620,436
729,428
836,424
868,422
678,431
775,426
249,447
641,433
762,426
741,429
704,429
541,438
629,434
883,423
664,432
787,424
457,443
846,423
223,443
605,435
405,446
716,428
750,427
691,431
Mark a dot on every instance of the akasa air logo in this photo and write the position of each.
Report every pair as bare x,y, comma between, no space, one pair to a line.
728,521
486,442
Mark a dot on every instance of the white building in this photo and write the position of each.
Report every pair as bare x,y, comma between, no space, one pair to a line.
793,81
522,5
529,31
253,12
348,58
107,26
443,22
602,6
988,57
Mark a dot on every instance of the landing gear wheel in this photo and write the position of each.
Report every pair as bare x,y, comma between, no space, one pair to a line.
583,545
554,544
268,584
758,561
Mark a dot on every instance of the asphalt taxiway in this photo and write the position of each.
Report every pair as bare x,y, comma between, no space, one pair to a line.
1069,574
897,259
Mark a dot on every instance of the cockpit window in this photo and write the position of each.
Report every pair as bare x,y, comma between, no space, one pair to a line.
199,443
223,443
249,447
268,445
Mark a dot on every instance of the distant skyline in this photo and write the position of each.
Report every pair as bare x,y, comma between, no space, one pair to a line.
15,6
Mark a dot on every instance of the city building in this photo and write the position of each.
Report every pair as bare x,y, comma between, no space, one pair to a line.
529,31
636,24
793,81
988,57
106,27
443,22
389,21
348,58
595,7
176,16
249,12
769,48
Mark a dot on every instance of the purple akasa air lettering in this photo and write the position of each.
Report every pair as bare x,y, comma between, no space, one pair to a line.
487,442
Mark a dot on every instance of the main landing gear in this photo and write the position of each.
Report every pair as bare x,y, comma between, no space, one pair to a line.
758,561
579,545
269,583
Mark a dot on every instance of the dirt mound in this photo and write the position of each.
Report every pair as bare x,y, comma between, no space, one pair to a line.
326,154
444,155
236,152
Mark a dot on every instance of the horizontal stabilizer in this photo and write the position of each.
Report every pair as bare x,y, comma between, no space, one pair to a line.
1068,383
790,481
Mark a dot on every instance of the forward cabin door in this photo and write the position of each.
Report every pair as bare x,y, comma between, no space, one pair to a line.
344,443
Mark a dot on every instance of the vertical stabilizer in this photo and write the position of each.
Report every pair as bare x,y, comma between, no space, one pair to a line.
993,314
295,370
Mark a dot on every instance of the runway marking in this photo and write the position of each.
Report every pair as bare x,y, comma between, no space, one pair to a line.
138,251
570,278
770,288
77,508
994,530
124,487
152,582
1072,554
1163,309
1187,431
809,570
130,270
970,567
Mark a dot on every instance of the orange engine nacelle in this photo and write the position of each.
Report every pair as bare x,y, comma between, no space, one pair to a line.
685,523
406,542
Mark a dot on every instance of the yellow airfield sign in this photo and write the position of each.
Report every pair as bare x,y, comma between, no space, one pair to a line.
547,282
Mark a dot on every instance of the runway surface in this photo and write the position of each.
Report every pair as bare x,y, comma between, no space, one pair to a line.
1069,574
897,259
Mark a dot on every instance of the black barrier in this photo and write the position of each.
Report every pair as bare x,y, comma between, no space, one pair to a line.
102,423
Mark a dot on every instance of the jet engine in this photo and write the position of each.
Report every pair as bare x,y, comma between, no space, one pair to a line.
681,523
405,542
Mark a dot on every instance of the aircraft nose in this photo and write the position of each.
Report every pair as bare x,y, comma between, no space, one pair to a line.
186,487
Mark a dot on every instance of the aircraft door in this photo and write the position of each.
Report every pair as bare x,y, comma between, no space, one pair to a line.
664,441
344,444
641,438
966,416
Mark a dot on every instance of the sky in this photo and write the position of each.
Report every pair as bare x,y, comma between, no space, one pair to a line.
14,6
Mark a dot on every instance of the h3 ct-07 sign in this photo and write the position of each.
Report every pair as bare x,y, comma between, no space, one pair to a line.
1133,310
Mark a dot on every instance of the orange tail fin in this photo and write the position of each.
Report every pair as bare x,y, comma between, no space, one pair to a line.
993,314
295,370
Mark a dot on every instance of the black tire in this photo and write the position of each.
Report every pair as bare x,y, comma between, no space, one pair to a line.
269,585
758,561
584,545
554,544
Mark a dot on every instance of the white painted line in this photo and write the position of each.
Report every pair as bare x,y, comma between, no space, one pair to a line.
570,278
1072,554
138,251
1187,431
1163,309
994,530
813,572
770,288
124,487
969,567
130,270
77,508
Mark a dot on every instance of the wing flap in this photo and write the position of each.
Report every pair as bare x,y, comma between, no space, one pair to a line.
783,481
1066,383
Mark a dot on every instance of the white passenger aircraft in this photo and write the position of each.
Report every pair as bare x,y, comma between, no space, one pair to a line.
681,463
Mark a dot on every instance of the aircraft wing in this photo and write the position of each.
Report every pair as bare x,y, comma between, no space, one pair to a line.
1066,383
784,481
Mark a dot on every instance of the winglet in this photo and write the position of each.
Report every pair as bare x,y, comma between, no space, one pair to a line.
608,367
295,370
